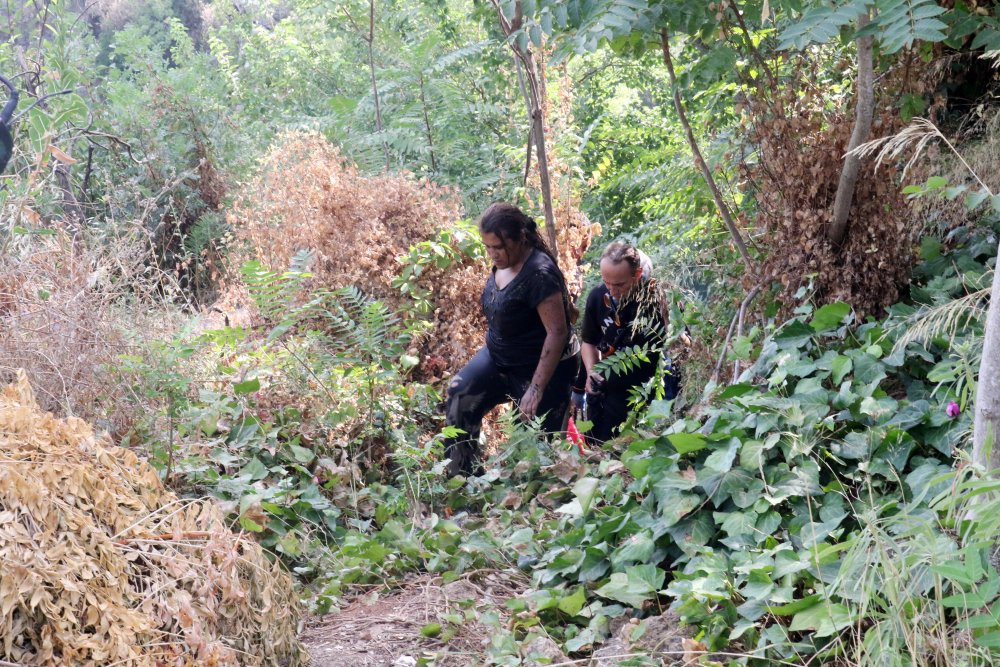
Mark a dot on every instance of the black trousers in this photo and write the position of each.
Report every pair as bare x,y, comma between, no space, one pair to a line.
482,385
607,411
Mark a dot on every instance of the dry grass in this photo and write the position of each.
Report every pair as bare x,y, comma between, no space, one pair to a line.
65,312
103,566
966,158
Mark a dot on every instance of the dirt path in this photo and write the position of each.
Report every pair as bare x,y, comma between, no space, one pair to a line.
384,630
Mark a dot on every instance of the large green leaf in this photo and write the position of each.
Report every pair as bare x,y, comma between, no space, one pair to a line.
634,586
824,619
685,443
830,316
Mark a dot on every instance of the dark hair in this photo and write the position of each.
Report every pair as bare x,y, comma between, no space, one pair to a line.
619,252
509,222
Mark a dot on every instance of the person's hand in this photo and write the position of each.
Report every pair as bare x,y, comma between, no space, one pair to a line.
529,402
594,383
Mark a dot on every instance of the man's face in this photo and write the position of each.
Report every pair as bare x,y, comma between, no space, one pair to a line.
619,278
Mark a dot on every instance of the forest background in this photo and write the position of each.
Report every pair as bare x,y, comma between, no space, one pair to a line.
238,238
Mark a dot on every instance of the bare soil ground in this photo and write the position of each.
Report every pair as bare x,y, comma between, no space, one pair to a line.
384,629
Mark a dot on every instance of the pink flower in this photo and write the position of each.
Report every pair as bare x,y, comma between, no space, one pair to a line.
953,410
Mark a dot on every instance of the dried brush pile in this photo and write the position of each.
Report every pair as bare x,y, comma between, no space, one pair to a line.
100,565
58,322
307,196
801,145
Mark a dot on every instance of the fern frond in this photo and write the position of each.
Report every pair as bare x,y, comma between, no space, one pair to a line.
819,25
276,293
900,23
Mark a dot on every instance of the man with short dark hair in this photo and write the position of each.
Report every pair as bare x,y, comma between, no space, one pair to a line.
622,312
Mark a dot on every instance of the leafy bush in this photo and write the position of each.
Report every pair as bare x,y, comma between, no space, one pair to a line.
288,422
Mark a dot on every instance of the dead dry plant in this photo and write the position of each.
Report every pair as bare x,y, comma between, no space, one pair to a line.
307,196
102,566
64,314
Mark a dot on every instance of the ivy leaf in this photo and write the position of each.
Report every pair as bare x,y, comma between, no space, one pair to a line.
830,316
631,587
736,390
796,606
824,618
685,443
572,604
247,387
584,491
301,454
254,470
636,549
794,334
841,366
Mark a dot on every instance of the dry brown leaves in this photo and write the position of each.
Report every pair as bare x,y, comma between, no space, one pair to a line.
308,197
801,146
63,313
102,566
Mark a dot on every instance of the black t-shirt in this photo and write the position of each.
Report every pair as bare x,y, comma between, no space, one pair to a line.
636,320
516,334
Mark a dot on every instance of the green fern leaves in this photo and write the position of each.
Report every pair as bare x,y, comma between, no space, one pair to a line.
350,326
900,23
896,24
819,25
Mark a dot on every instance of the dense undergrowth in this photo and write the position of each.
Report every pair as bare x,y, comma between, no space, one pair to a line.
815,509
818,508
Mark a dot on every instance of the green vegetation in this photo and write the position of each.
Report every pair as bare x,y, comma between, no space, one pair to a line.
238,237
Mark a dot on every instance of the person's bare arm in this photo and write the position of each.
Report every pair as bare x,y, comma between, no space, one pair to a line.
553,317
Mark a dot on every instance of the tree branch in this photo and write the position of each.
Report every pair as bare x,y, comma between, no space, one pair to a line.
427,123
371,66
727,217
534,103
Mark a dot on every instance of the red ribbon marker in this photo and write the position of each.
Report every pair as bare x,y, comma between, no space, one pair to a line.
575,435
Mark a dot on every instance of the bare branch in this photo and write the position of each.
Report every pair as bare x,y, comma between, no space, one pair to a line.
727,216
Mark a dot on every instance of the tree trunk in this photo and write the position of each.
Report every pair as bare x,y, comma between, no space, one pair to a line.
536,97
864,110
987,418
427,124
371,67
699,161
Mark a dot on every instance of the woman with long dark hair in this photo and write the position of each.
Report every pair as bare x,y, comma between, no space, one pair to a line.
531,356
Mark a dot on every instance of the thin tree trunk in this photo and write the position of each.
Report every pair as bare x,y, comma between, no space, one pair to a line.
71,205
543,176
754,51
727,217
531,130
371,67
535,99
987,420
427,123
864,110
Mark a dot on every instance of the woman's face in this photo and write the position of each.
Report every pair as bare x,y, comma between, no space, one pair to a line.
504,253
